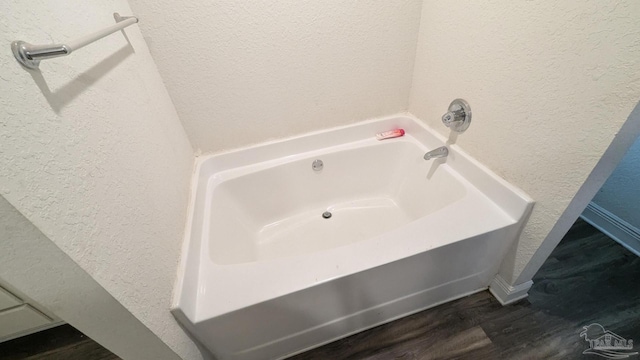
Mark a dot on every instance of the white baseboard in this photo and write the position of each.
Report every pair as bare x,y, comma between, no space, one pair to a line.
614,227
507,294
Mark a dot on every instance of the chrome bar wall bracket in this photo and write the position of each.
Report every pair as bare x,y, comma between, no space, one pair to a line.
29,55
119,18
20,50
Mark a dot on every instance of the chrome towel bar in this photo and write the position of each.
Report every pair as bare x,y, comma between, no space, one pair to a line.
30,55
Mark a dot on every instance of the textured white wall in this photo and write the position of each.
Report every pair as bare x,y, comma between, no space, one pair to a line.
93,153
550,84
243,72
620,194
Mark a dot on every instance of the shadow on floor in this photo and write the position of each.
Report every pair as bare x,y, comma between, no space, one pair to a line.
60,343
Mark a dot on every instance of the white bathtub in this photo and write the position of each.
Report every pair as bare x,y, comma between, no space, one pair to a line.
263,275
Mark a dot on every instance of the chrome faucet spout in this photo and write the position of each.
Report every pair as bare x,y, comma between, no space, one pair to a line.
440,152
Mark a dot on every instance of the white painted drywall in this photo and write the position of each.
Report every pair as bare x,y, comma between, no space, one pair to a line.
241,72
620,194
550,85
93,154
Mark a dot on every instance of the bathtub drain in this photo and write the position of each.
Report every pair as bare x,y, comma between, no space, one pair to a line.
317,165
326,214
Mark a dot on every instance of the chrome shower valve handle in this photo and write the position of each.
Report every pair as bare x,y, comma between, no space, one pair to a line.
458,118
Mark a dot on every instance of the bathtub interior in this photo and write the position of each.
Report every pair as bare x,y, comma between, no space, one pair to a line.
276,210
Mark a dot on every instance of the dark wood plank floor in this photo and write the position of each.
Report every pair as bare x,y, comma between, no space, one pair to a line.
588,278
60,343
